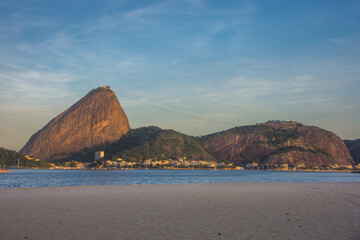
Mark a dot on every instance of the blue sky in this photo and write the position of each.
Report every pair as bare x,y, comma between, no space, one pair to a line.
195,66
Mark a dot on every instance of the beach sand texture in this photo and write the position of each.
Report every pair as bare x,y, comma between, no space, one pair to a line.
189,211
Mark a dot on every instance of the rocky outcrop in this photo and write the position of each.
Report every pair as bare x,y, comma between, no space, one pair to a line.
279,142
354,149
96,118
236,148
326,143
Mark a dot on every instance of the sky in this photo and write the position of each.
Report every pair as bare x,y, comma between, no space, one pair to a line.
195,66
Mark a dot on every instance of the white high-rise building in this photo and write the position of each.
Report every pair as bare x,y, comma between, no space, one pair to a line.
99,155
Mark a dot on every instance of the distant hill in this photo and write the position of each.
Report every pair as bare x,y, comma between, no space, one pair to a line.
96,118
354,149
98,122
271,143
145,143
278,142
9,158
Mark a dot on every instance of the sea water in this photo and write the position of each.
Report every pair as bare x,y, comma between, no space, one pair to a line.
25,178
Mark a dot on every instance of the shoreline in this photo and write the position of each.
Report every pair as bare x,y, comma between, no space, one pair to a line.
183,211
168,185
120,169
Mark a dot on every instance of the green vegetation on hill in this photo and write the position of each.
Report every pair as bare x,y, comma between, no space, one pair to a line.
9,158
283,150
145,143
97,90
273,136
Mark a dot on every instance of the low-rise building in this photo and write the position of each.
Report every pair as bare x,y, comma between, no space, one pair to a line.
109,163
334,166
154,163
125,164
284,166
194,163
80,165
251,165
201,162
175,163
239,168
300,165
348,167
211,165
185,163
147,162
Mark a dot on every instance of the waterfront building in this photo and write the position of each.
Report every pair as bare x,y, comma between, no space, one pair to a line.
284,166
211,165
251,165
147,162
194,163
301,165
99,155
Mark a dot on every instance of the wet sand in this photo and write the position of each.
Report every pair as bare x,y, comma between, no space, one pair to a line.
189,211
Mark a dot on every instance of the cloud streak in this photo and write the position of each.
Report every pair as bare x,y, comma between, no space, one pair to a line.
34,85
243,60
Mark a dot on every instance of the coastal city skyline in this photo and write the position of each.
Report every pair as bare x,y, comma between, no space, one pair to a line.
193,66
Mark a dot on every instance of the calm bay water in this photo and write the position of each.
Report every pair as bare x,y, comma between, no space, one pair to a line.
24,178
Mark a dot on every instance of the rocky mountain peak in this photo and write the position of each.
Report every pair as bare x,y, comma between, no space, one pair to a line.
96,118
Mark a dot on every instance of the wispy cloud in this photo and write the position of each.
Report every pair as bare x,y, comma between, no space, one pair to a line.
256,87
195,3
21,20
65,48
34,86
217,27
29,99
245,92
222,58
340,41
105,22
127,20
146,15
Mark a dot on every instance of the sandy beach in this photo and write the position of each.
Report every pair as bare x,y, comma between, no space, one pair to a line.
189,211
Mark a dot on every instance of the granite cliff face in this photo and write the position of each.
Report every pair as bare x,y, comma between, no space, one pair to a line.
278,142
94,119
354,149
